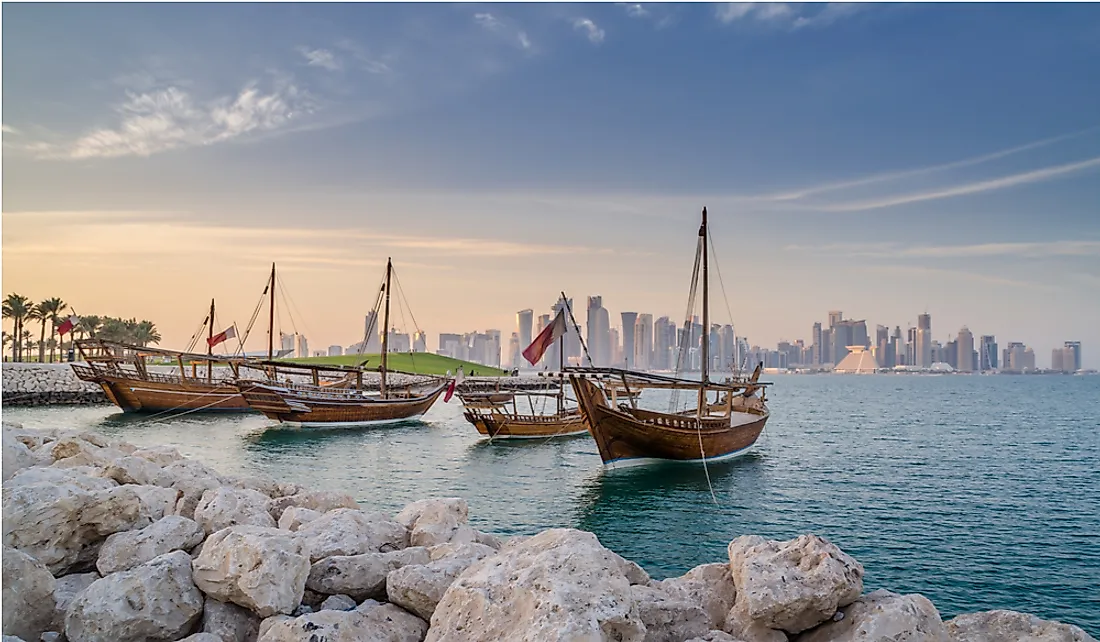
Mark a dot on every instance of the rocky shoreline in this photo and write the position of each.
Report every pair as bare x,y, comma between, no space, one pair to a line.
44,384
107,542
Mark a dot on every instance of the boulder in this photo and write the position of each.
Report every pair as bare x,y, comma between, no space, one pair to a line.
710,586
17,456
83,477
160,455
418,588
66,590
318,500
347,531
231,623
224,507
157,501
882,616
259,483
191,479
63,526
123,551
361,576
376,623
715,636
137,470
154,601
741,626
267,623
434,521
293,518
202,637
792,585
338,603
561,584
1010,626
261,569
28,595
668,618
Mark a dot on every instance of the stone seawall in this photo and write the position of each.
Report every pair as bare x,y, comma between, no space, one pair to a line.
40,384
107,542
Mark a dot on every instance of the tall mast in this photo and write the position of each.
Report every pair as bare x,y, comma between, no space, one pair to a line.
209,340
386,326
271,318
561,356
706,304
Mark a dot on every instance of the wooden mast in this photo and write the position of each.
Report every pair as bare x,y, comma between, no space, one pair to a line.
209,341
706,320
271,318
561,354
386,326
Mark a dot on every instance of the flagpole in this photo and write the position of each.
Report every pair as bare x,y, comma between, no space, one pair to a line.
210,345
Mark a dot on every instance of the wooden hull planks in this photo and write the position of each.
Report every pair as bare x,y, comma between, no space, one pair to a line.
332,407
133,394
624,437
499,425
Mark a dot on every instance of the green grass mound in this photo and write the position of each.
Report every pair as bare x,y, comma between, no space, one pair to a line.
418,362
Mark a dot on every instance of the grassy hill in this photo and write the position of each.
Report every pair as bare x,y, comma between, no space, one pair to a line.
419,362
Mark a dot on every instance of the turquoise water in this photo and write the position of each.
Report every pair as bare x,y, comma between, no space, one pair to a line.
978,492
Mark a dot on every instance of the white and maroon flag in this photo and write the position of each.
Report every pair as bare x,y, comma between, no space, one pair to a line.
546,338
222,336
68,325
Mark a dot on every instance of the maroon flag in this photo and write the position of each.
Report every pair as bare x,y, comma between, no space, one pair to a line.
222,336
546,338
67,326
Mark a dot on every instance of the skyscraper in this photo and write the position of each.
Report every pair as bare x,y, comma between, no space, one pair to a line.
728,352
965,347
835,317
882,346
572,339
616,353
843,337
420,341
988,353
817,344
514,356
664,344
859,334
372,332
629,321
643,341
524,320
597,331
1075,346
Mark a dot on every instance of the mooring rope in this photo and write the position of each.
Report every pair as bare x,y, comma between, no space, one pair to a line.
703,454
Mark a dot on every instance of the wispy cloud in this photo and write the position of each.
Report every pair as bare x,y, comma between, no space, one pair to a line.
509,31
636,11
320,58
9,130
363,58
591,31
1034,250
792,16
1023,178
171,118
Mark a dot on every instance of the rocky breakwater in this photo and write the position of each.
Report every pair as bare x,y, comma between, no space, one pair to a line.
39,384
105,542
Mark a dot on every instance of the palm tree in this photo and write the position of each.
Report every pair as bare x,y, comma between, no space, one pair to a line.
17,308
48,312
27,341
145,333
90,324
5,339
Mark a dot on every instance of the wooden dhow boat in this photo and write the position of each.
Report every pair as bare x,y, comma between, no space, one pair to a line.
311,396
502,416
725,422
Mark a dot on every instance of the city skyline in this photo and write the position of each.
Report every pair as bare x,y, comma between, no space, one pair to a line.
844,164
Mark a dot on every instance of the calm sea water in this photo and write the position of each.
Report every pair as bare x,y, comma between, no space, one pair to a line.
978,492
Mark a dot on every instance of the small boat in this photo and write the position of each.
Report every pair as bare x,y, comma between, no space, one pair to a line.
721,427
497,417
325,396
129,383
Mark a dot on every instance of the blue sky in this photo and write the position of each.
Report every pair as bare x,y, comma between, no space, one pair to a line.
879,159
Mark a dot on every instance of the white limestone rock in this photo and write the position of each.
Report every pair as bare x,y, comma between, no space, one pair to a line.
157,501
882,616
668,618
418,588
67,589
318,500
792,585
17,456
137,470
294,517
160,455
561,584
261,569
715,636
191,479
224,507
83,477
742,626
434,521
123,551
154,601
63,526
259,483
361,576
202,637
338,603
28,595
1010,626
347,531
710,586
229,622
377,623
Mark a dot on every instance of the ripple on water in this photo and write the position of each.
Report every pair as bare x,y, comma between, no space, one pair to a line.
961,488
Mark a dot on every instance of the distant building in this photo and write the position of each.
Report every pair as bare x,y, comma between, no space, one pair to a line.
882,346
816,338
643,341
616,348
303,346
859,361
398,342
372,333
420,341
835,316
598,330
1075,347
987,353
1064,359
965,348
335,351
514,356
450,345
524,322
630,320
664,344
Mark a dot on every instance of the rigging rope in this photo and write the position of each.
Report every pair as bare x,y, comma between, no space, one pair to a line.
688,329
255,313
706,471
195,336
